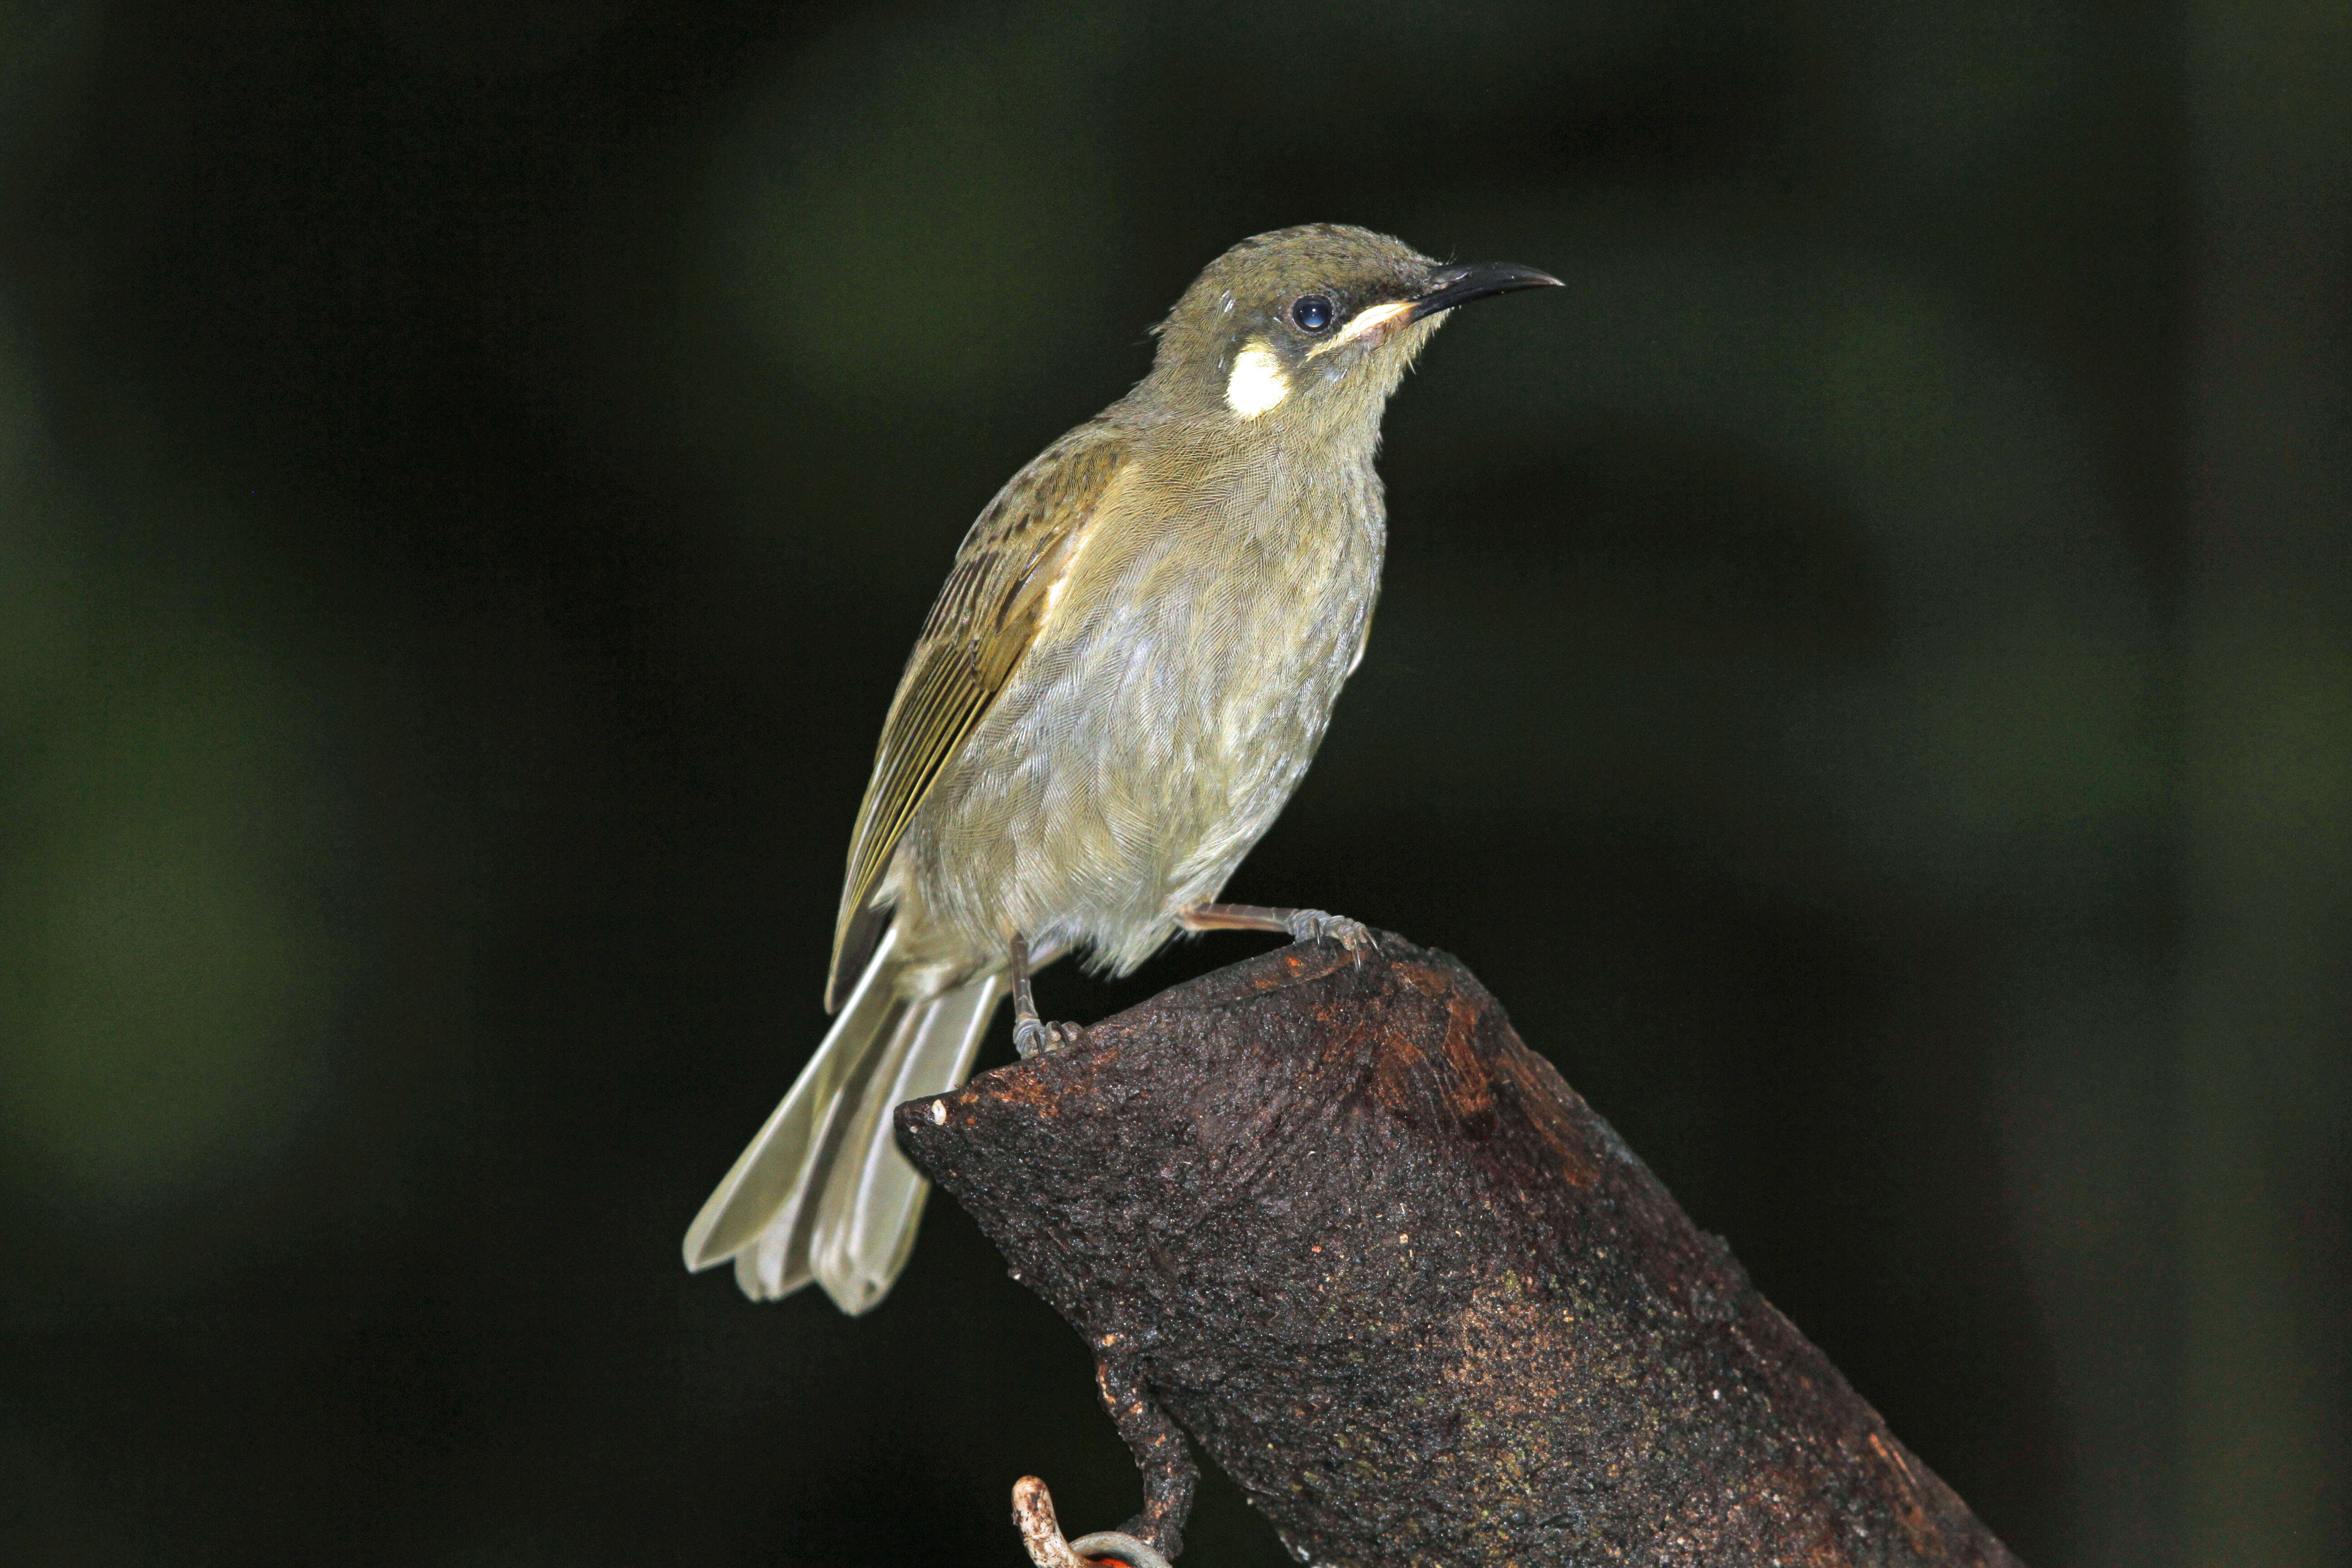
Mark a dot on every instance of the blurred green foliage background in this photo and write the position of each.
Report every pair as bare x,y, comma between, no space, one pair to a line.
1865,674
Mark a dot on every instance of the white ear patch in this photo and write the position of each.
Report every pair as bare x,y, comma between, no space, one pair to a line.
1257,383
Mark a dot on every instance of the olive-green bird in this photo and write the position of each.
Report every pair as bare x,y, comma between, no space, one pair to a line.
1121,684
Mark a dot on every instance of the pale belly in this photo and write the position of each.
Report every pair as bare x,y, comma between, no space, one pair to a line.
1130,765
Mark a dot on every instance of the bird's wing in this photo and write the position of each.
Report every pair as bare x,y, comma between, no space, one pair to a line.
1001,590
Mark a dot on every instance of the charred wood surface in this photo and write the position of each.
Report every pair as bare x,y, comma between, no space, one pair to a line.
1329,1214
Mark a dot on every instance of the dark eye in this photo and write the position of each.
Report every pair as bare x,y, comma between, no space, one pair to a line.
1313,313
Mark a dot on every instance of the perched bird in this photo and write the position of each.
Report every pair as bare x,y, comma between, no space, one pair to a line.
1121,684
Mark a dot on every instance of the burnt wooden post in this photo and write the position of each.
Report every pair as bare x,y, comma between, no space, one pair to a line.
1327,1213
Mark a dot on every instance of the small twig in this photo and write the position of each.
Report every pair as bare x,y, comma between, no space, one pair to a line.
1033,1515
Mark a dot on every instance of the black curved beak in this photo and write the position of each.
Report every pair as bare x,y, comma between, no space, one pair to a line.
1460,285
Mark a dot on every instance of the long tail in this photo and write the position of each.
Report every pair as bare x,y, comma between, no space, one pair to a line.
822,1191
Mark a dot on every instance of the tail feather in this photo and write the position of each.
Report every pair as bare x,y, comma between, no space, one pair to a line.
822,1191
873,1197
773,1181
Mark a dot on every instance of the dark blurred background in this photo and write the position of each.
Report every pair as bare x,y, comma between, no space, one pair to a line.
1865,674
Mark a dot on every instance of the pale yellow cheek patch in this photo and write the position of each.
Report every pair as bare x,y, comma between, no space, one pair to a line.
1257,382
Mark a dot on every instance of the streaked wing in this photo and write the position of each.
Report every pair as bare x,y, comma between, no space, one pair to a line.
985,619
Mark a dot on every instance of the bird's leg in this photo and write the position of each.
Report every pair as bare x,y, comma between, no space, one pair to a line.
1032,1034
1300,925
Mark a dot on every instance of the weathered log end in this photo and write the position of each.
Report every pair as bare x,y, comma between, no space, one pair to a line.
1329,1213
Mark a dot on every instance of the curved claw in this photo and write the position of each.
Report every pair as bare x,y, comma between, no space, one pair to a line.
1311,925
1028,1038
1031,1035
1033,1514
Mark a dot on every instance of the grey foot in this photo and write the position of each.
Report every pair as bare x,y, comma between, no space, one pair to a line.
1310,925
1031,1035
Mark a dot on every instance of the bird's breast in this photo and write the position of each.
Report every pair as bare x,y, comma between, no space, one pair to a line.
1166,712
1208,598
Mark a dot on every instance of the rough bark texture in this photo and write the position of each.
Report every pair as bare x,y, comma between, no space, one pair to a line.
1329,1213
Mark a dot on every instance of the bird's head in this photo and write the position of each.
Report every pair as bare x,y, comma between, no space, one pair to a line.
1310,329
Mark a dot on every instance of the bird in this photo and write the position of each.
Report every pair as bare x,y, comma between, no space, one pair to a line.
1124,678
